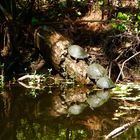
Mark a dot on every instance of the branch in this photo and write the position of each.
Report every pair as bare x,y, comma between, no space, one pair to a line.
116,132
121,71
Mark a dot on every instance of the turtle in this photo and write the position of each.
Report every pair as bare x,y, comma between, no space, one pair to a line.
77,52
105,83
96,71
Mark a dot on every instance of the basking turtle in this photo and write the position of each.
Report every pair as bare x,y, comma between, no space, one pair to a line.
77,52
96,71
105,83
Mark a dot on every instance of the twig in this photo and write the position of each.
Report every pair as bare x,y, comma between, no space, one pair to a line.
38,77
121,71
110,67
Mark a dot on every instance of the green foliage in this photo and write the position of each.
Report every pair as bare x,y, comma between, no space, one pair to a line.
137,22
101,2
123,16
125,21
33,92
35,21
138,16
119,26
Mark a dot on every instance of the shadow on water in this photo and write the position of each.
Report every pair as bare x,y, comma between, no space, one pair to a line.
62,113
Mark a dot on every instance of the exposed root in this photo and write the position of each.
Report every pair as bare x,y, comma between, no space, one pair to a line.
121,70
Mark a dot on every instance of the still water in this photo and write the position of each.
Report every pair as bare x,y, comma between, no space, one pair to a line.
64,113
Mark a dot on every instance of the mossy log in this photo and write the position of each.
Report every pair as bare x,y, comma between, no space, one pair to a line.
53,47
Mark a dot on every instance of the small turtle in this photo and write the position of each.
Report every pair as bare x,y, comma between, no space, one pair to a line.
77,52
96,71
105,83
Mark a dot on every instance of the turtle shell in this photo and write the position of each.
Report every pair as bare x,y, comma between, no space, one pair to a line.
77,52
105,83
96,71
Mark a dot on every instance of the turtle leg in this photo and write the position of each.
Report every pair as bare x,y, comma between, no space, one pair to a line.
77,60
89,60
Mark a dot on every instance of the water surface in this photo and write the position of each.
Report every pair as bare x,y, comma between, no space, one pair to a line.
64,113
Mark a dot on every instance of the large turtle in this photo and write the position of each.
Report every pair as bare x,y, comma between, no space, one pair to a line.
76,52
96,71
105,83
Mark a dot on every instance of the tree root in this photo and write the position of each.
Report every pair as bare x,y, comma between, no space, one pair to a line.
121,69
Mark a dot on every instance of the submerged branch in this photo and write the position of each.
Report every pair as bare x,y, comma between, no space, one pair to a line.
116,132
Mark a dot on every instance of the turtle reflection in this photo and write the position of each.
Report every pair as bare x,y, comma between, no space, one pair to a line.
98,99
76,109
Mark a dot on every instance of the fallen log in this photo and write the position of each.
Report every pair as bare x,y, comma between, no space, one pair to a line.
54,47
